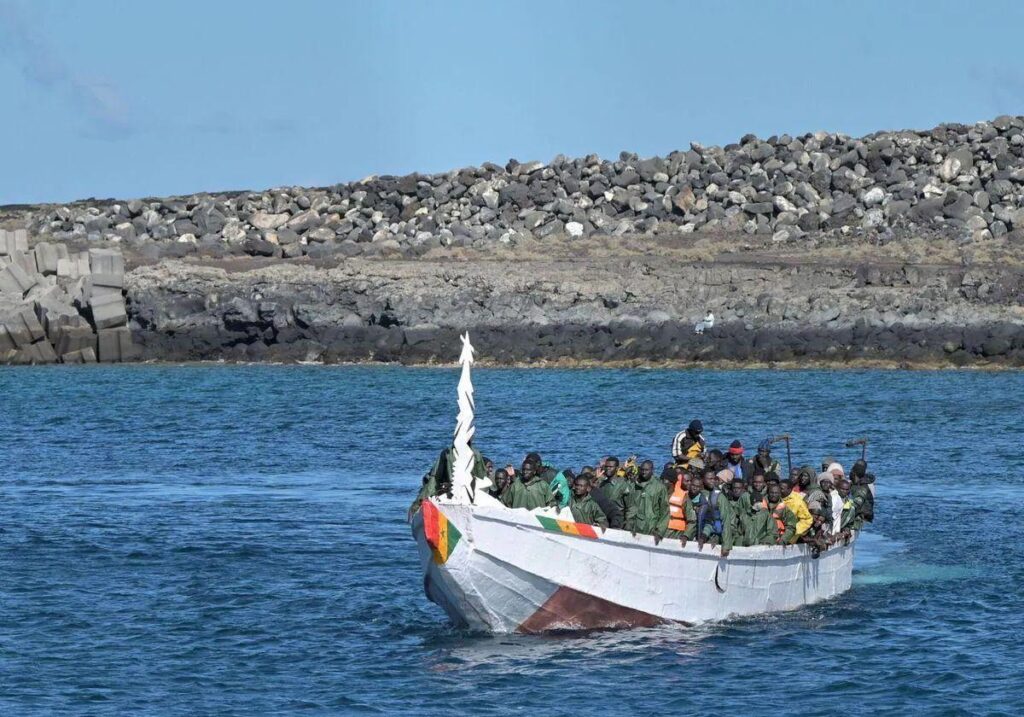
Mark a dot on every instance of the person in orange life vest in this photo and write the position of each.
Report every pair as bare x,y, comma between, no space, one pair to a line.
682,518
776,524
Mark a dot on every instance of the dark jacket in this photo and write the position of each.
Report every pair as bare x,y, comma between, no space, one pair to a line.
609,506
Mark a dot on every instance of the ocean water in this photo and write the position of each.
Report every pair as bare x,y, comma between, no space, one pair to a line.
216,540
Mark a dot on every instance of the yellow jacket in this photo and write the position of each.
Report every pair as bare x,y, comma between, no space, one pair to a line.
795,502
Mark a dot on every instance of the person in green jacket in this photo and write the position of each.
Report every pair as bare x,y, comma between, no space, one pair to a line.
502,487
765,528
850,519
647,504
735,513
584,508
438,479
863,498
615,487
531,490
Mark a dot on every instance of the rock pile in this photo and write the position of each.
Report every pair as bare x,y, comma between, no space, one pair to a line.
965,180
56,306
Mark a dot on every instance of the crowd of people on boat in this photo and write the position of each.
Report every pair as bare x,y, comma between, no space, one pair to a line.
711,496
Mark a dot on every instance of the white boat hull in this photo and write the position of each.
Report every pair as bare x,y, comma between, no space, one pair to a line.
507,572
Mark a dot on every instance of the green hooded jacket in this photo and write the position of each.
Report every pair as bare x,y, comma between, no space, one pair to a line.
588,511
647,508
735,518
765,531
560,488
535,494
616,491
440,475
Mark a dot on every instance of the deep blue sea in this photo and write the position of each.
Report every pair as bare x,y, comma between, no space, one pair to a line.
218,540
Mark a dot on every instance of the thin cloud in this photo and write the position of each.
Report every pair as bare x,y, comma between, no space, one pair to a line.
41,65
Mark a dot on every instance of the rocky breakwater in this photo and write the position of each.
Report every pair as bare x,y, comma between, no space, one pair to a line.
629,301
965,181
59,306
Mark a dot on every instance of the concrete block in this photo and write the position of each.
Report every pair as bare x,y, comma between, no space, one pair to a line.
108,312
44,352
73,267
106,261
56,313
116,345
86,355
23,327
94,293
108,280
47,255
12,241
45,286
6,342
74,338
15,280
26,260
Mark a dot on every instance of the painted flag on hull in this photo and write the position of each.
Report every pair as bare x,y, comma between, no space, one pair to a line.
441,535
567,527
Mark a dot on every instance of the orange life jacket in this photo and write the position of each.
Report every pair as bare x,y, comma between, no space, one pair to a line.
677,506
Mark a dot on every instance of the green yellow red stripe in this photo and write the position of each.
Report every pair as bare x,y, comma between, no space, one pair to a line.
441,535
567,527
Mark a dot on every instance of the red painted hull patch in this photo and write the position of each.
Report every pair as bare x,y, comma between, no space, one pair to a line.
569,609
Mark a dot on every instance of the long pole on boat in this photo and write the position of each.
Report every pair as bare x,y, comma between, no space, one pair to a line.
863,443
462,472
789,454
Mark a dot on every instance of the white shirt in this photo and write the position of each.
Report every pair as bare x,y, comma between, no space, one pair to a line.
837,510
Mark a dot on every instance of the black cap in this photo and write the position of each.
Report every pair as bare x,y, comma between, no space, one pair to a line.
696,426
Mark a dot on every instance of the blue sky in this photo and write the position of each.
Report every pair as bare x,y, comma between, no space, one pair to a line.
126,99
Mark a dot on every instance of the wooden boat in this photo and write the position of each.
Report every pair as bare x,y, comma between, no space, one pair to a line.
500,570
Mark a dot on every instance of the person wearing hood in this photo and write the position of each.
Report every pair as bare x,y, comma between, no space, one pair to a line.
735,514
818,536
584,508
862,491
819,496
835,502
531,490
438,480
561,487
773,523
763,461
647,508
804,476
689,443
